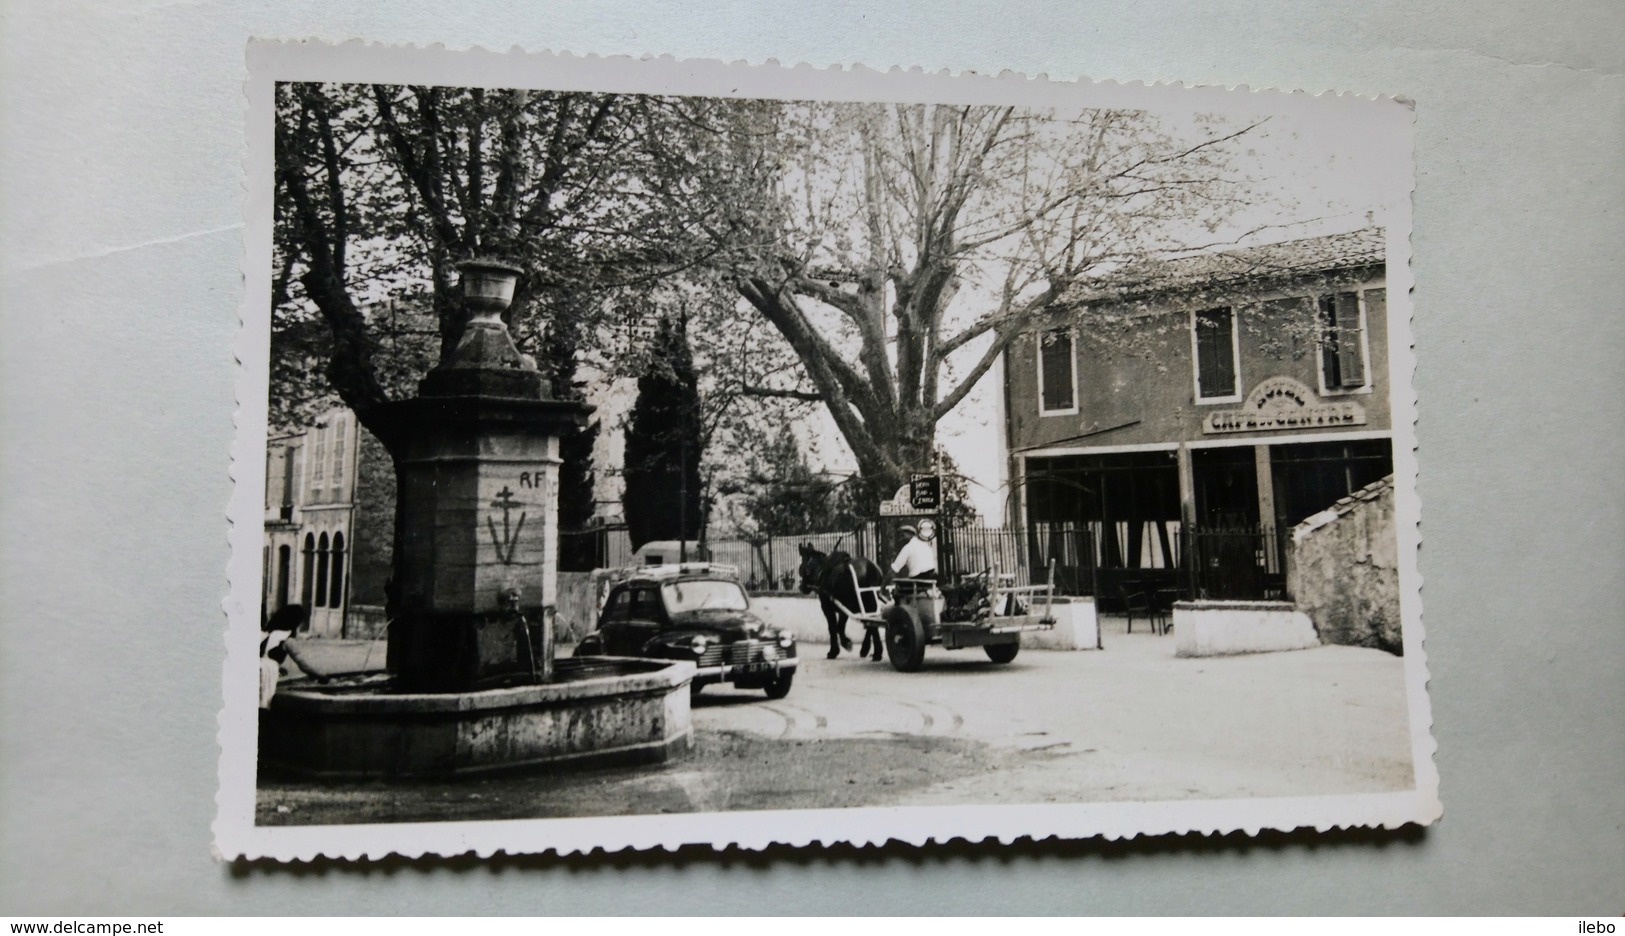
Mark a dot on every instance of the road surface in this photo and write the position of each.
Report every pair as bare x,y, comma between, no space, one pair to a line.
1130,722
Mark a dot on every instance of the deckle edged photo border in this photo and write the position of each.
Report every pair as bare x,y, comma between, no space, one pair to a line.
578,447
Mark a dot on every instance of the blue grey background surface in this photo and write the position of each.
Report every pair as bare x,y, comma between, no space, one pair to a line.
121,128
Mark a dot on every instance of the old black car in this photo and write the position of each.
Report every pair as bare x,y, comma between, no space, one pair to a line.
699,612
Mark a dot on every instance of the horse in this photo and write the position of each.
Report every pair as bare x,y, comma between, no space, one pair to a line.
831,576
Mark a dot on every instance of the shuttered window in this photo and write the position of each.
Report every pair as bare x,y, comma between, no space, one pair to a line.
1215,353
290,472
1057,381
340,443
1342,342
318,468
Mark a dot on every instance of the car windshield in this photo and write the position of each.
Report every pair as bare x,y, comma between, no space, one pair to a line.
703,594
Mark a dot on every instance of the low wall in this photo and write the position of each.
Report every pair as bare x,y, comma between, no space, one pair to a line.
798,614
365,622
1222,628
1077,627
576,608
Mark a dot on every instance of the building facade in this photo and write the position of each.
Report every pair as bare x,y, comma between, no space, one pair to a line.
328,520
1184,414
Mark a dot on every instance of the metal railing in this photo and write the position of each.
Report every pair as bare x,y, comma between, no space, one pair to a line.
1236,563
1110,561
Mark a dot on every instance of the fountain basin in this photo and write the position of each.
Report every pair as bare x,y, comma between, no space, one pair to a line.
606,711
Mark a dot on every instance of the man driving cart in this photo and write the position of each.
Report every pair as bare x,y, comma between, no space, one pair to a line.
916,562
912,572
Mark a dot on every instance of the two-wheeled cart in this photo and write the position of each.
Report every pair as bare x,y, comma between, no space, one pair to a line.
980,610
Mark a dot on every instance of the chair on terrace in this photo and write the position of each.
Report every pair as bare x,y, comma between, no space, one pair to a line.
1141,602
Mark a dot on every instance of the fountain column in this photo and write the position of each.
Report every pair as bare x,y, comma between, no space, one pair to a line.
476,543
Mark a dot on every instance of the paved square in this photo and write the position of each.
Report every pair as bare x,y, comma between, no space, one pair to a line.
1130,722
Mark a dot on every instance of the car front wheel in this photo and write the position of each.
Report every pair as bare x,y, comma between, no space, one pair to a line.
780,686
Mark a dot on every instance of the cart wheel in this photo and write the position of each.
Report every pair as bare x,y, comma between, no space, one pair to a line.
780,686
1002,653
905,641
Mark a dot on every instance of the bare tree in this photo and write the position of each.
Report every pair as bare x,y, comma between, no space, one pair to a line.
913,243
894,250
381,189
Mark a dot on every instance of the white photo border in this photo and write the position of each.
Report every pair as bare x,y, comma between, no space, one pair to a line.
236,834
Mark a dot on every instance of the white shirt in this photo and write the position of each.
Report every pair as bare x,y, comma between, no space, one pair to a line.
917,556
270,672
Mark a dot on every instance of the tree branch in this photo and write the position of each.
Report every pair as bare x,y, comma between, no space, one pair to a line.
803,395
1001,340
350,369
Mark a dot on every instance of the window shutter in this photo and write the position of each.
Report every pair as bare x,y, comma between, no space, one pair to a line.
1055,362
340,432
290,473
296,472
1350,359
318,467
1215,353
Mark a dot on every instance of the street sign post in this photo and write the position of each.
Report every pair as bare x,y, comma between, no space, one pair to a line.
925,492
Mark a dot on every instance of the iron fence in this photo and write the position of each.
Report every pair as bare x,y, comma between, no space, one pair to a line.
1115,562
1237,563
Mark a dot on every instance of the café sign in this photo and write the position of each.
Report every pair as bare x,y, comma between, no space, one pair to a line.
922,494
1283,403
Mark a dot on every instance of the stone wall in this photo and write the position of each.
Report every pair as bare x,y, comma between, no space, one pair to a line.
1223,628
577,608
365,622
1343,569
373,526
1077,626
800,615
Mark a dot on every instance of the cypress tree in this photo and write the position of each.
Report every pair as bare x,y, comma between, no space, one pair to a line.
662,496
577,477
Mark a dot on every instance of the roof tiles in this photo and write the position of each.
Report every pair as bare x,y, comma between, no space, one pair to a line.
1365,247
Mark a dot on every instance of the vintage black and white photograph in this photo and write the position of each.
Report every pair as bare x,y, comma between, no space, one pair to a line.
643,453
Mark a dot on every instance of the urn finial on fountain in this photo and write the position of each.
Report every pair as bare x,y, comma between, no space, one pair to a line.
485,361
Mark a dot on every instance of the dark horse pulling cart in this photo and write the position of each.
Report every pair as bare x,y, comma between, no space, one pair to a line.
978,610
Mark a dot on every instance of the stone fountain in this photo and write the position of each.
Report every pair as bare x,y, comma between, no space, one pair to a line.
472,685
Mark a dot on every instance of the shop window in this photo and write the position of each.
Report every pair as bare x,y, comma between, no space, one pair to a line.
309,580
1213,338
335,581
321,572
1342,342
1057,373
